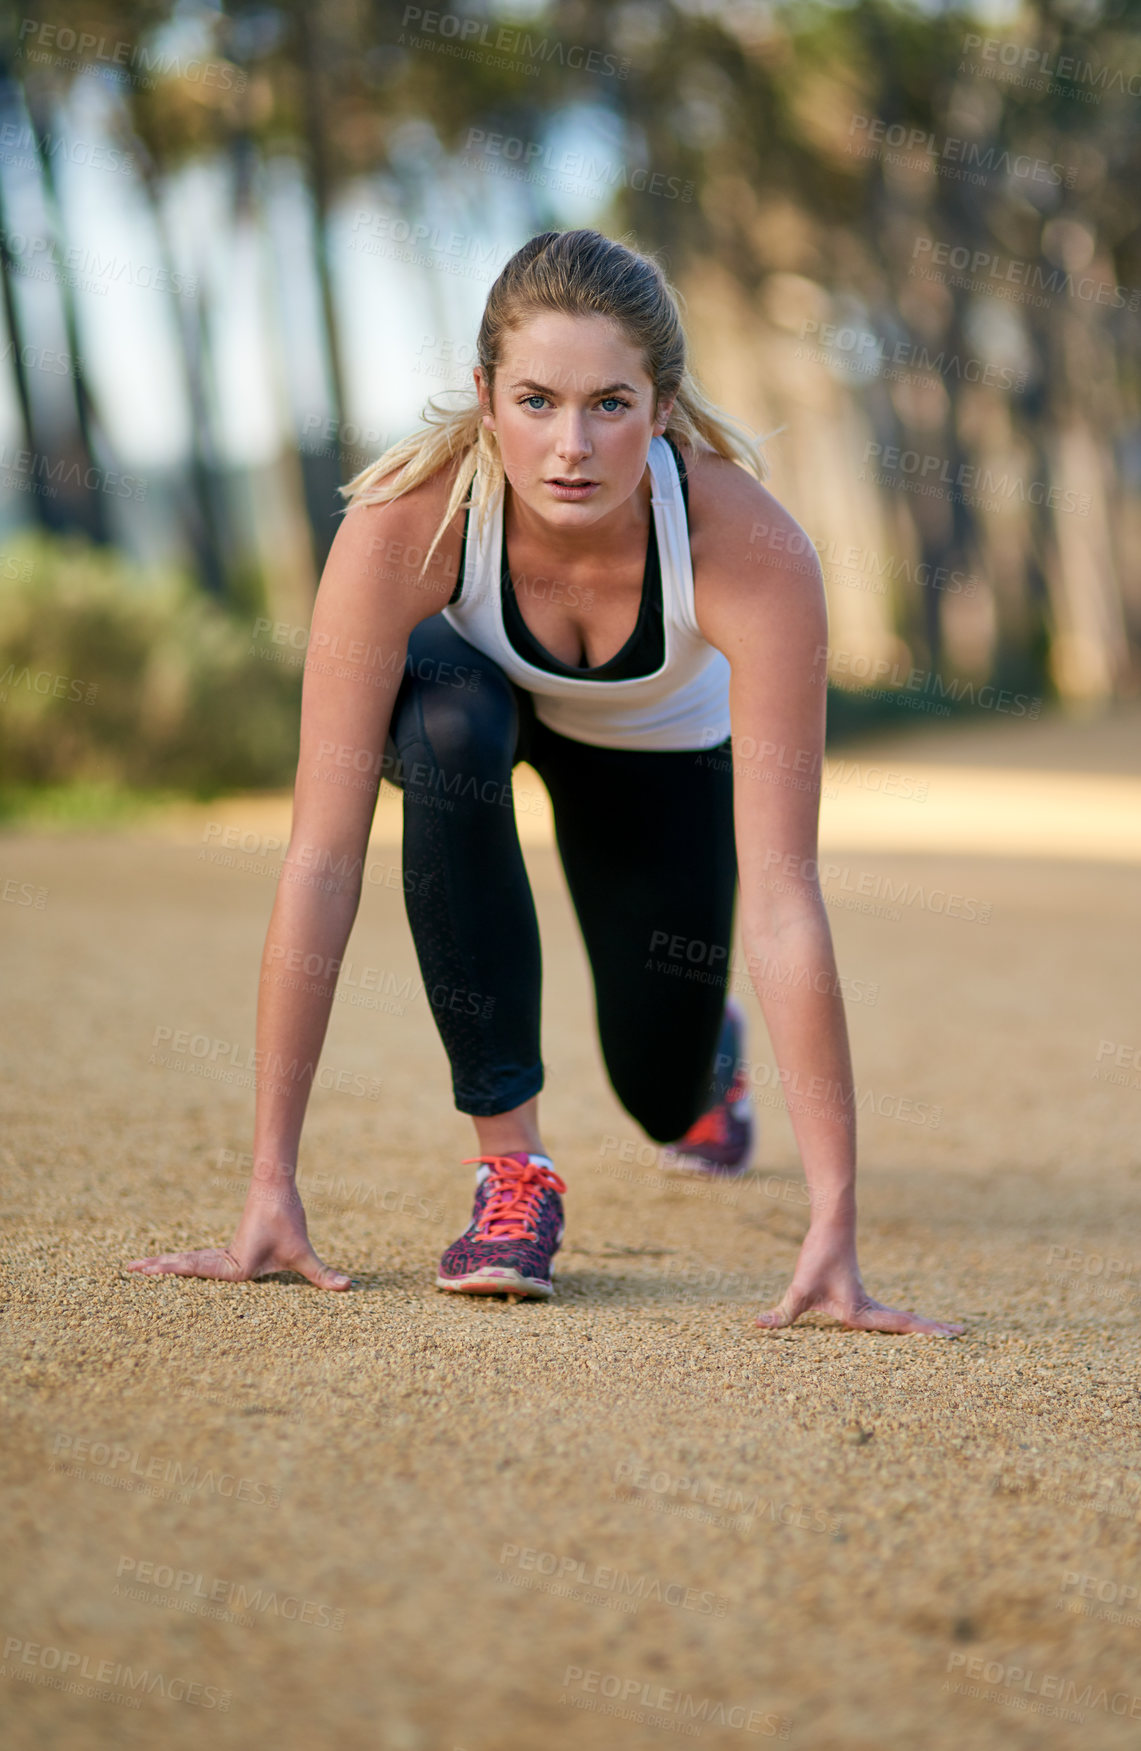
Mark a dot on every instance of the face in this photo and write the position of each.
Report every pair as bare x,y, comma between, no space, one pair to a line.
573,412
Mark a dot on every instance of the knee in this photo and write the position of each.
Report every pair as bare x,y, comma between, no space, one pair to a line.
469,732
664,1113
456,726
669,1120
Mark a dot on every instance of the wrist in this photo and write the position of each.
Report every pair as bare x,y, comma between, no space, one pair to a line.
273,1167
273,1184
833,1209
265,1200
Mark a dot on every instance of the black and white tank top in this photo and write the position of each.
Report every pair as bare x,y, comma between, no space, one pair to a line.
667,688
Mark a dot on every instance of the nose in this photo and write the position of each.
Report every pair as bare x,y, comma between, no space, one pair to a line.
571,443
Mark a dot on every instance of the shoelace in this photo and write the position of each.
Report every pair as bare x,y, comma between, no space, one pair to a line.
512,1207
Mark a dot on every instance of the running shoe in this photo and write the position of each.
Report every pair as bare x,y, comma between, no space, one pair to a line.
516,1228
720,1140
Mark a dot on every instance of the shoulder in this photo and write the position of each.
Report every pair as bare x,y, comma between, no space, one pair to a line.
753,563
392,539
734,519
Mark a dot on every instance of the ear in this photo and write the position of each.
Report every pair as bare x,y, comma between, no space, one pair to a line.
484,393
662,416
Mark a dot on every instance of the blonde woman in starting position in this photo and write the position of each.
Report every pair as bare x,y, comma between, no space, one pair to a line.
568,570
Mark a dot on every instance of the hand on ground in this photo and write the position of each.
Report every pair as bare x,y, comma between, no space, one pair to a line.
827,1280
258,1249
858,1312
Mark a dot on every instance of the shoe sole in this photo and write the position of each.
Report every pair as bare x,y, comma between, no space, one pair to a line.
690,1162
493,1280
700,1167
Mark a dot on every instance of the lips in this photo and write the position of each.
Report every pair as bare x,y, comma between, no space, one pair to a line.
571,492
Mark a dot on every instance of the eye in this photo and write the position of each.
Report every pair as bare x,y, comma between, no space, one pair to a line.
529,399
609,401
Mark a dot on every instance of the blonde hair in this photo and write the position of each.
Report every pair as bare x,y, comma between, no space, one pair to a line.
578,273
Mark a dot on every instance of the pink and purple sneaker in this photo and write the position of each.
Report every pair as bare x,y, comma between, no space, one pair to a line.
515,1230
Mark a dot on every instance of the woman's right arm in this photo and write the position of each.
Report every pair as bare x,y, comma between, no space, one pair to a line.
367,604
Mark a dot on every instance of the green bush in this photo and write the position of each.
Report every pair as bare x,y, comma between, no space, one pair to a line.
115,677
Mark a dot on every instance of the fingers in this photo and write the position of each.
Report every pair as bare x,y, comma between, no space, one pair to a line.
321,1276
220,1263
210,1262
786,1312
875,1317
871,1316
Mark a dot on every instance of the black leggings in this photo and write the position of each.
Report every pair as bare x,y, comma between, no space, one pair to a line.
647,846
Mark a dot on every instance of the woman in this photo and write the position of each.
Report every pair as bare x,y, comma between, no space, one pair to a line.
606,615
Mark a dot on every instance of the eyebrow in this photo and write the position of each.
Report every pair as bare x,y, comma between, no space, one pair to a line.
608,389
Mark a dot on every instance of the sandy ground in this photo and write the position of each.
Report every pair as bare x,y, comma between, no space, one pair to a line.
400,1521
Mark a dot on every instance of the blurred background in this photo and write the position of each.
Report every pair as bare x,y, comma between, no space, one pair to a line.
241,245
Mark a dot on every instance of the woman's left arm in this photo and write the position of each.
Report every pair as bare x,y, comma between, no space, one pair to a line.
759,598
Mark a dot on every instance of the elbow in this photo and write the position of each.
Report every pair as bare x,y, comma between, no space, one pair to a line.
321,868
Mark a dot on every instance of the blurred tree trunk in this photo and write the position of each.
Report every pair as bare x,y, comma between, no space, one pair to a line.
203,512
92,517
282,531
315,101
9,111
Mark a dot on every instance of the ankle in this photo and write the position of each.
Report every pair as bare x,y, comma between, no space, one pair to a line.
510,1141
509,1132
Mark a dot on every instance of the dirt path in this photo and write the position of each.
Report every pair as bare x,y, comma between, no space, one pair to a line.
397,1521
